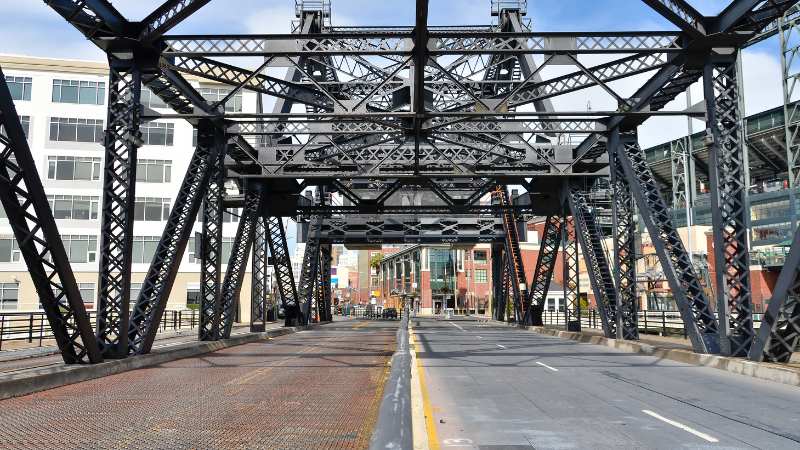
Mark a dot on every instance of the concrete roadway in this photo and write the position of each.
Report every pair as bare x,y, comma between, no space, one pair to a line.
496,387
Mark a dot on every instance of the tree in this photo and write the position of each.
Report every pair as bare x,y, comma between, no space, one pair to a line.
375,261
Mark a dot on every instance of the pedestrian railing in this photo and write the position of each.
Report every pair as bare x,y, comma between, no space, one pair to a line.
33,327
664,323
367,313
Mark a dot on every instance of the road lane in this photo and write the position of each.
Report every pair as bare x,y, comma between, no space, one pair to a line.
516,388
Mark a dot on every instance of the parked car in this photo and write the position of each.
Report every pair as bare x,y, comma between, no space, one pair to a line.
390,313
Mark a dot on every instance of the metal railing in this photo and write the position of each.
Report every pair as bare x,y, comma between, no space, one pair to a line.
663,323
362,312
33,327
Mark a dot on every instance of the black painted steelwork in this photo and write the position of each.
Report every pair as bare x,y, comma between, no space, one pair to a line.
545,268
412,121
624,229
594,254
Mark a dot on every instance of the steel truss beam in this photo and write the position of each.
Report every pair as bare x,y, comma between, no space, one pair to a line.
122,140
158,282
237,264
258,286
624,235
284,277
730,211
594,254
388,43
779,335
167,16
211,244
699,321
680,13
545,268
410,229
28,211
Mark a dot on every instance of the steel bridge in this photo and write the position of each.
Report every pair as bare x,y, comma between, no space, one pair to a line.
456,113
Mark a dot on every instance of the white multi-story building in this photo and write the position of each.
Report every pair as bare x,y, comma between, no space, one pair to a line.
62,105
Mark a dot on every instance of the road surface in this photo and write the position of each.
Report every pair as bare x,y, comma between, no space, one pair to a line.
495,387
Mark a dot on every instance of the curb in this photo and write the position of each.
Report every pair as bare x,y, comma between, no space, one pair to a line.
394,428
37,380
762,371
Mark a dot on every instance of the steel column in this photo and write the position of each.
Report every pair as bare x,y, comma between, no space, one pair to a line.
729,209
624,214
498,294
284,276
326,288
309,269
545,268
789,33
31,219
698,318
122,141
258,285
572,289
160,278
237,264
211,239
594,255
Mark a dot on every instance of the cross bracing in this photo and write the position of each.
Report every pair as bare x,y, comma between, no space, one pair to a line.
369,113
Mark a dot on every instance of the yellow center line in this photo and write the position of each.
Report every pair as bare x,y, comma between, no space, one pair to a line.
430,425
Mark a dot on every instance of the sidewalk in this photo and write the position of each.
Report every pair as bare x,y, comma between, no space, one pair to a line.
12,361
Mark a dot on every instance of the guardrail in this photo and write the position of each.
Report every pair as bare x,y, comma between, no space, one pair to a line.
33,327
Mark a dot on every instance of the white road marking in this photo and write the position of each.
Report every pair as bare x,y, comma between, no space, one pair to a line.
457,326
501,346
546,366
683,427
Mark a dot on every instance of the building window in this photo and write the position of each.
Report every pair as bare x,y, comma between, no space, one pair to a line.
193,298
151,209
26,124
82,92
480,256
9,252
194,258
135,289
481,276
151,100
228,216
158,133
87,292
154,171
213,95
73,168
20,87
74,207
80,249
25,121
144,247
9,296
76,130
